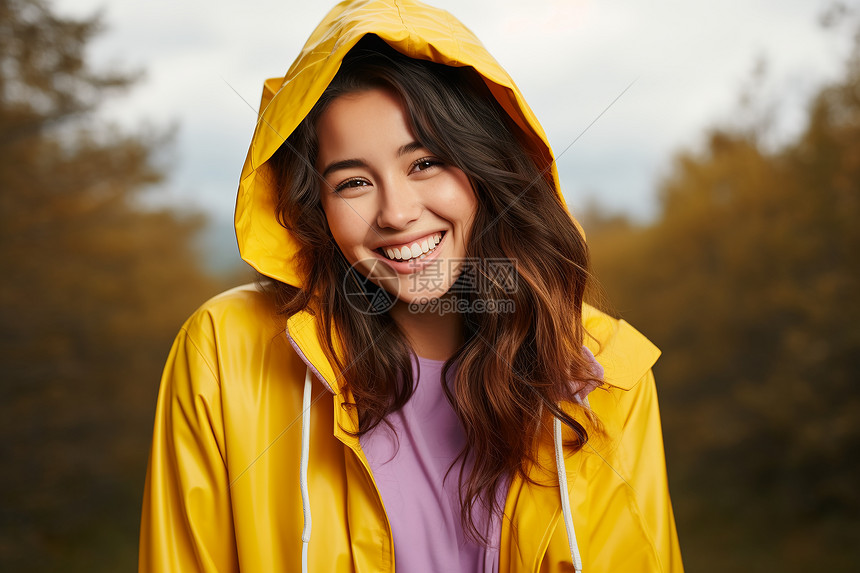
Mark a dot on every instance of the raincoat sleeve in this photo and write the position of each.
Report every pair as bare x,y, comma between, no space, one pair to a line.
187,519
643,464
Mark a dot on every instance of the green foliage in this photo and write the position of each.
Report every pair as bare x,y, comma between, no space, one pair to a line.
749,283
93,290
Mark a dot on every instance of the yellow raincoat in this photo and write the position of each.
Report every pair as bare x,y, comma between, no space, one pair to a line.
222,489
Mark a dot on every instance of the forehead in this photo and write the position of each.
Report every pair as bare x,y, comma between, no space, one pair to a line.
374,119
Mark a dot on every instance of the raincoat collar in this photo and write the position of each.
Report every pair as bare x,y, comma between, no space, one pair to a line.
624,353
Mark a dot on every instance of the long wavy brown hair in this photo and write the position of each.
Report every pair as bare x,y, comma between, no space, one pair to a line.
514,368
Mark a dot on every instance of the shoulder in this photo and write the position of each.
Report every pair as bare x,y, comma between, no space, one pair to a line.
626,403
228,336
233,350
625,354
243,313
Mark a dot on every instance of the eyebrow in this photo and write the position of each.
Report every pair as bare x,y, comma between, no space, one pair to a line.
354,163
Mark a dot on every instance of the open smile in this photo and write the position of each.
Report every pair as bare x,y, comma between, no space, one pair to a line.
405,263
414,250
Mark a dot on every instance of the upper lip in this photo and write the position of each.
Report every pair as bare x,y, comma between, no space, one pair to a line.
415,238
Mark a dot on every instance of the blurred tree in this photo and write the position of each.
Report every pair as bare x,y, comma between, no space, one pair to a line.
749,282
93,290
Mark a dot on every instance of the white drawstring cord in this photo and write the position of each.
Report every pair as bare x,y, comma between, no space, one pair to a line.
303,468
565,500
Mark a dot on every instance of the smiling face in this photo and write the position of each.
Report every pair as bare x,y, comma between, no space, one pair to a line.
398,213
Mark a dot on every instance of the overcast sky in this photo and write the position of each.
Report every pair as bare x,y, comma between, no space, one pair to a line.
688,61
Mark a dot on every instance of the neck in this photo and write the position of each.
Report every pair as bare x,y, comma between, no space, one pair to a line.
432,334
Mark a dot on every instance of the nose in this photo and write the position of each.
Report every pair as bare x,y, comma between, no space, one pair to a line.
399,205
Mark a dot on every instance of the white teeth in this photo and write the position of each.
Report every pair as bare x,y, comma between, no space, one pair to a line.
415,250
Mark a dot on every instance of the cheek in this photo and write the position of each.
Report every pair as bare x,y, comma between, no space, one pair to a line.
346,226
457,200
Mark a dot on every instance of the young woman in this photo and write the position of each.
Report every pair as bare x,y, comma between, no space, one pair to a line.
414,382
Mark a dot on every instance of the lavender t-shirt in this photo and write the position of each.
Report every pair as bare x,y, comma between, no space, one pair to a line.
423,506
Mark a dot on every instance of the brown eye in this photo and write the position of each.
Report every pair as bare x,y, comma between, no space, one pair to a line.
425,163
351,183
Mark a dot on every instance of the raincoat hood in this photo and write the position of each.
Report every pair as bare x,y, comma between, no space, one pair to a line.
412,28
